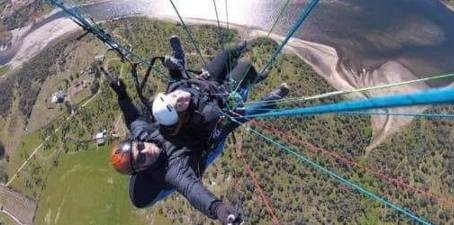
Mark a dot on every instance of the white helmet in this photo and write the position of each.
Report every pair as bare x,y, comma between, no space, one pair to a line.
163,110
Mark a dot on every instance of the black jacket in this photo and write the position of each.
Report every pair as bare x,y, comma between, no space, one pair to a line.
178,168
208,98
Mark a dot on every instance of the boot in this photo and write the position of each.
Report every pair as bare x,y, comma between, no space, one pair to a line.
237,49
261,76
175,67
228,215
242,47
172,63
281,92
178,51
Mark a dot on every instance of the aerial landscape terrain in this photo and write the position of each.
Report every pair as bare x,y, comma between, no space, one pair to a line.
52,171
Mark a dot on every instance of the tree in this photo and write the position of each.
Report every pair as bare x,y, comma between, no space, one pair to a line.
68,107
3,174
2,150
94,87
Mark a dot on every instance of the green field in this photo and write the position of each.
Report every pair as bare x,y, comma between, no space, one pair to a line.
25,149
3,70
84,189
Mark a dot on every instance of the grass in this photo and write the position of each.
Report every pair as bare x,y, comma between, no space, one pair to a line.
26,14
44,112
3,5
92,193
6,220
81,96
28,144
372,215
3,132
4,70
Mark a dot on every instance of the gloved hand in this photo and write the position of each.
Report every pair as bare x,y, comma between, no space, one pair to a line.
119,87
204,75
172,63
228,215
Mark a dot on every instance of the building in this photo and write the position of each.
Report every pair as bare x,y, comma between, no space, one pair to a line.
58,97
100,138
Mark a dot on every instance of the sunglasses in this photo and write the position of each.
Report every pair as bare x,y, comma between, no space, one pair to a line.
141,157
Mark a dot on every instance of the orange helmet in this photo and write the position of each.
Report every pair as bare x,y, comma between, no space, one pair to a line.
121,158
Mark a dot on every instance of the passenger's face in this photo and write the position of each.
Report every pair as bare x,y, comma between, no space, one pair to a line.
180,100
144,154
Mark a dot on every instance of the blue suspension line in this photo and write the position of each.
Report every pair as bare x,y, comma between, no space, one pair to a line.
304,14
339,178
90,26
435,116
428,97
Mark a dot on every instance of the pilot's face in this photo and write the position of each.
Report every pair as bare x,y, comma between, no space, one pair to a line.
144,154
180,100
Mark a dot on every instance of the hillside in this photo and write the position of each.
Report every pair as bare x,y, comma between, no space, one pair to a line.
73,183
450,2
22,13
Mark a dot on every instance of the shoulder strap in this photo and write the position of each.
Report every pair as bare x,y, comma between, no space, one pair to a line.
205,91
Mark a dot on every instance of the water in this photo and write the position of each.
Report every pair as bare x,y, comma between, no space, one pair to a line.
416,33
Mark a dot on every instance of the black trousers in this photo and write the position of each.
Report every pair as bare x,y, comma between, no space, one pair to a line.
223,67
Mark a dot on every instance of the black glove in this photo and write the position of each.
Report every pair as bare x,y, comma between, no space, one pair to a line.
228,215
173,64
204,75
119,87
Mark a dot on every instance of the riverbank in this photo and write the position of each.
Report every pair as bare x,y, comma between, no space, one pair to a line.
35,41
326,62
323,59
449,4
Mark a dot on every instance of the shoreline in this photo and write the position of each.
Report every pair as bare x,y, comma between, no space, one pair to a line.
37,40
449,6
323,59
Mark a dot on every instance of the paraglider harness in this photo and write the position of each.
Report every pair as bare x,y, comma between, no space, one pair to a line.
205,91
202,90
199,89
